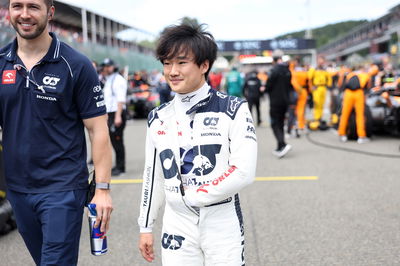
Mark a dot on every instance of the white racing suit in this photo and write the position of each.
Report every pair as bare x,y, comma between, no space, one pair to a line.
202,222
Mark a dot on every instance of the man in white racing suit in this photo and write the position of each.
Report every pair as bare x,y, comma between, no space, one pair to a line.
201,150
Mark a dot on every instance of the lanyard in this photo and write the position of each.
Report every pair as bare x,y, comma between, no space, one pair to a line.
18,67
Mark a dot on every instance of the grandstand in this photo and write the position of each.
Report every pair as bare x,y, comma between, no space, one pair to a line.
93,34
380,36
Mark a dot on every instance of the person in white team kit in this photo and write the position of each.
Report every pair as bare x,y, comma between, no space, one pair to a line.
201,150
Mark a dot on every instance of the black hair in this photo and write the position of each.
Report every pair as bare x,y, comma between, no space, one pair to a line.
276,58
187,38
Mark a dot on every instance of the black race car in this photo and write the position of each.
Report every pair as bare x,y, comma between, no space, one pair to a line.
384,106
382,112
140,101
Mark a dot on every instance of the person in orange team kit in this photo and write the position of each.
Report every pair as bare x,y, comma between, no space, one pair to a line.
300,83
353,97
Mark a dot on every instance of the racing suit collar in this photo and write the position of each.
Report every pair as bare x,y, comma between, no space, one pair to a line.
202,103
169,110
185,102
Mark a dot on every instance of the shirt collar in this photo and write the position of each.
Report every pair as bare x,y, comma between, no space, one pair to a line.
53,54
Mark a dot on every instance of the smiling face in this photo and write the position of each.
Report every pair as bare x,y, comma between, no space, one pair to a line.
183,74
30,17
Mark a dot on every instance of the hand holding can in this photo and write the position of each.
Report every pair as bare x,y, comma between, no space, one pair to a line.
98,239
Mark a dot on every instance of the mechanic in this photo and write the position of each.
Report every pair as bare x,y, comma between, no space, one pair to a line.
201,150
48,94
115,89
353,97
319,80
300,76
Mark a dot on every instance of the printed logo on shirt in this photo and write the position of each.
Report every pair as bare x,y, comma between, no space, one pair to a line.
9,77
100,104
98,97
47,98
173,242
50,81
97,89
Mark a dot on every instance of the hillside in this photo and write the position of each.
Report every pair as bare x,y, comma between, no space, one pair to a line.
329,32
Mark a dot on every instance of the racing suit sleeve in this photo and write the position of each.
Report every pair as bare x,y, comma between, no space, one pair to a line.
242,164
153,194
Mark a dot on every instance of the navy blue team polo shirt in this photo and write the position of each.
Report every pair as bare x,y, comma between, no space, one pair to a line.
41,114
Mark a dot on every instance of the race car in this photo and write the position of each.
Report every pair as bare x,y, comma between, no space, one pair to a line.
141,100
382,111
384,105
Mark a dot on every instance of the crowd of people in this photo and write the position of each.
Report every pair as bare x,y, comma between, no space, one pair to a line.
301,97
298,94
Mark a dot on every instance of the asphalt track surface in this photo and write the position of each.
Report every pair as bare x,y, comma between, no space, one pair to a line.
316,206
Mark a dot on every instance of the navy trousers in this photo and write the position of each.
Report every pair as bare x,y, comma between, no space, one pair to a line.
50,224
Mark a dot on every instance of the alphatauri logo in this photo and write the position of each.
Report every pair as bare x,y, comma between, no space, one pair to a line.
50,81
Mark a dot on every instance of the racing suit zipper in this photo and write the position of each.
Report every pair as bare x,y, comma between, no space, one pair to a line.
182,189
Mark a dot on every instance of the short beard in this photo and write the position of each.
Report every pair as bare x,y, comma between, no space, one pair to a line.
30,36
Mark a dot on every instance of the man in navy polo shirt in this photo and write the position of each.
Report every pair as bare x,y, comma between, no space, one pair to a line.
48,94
